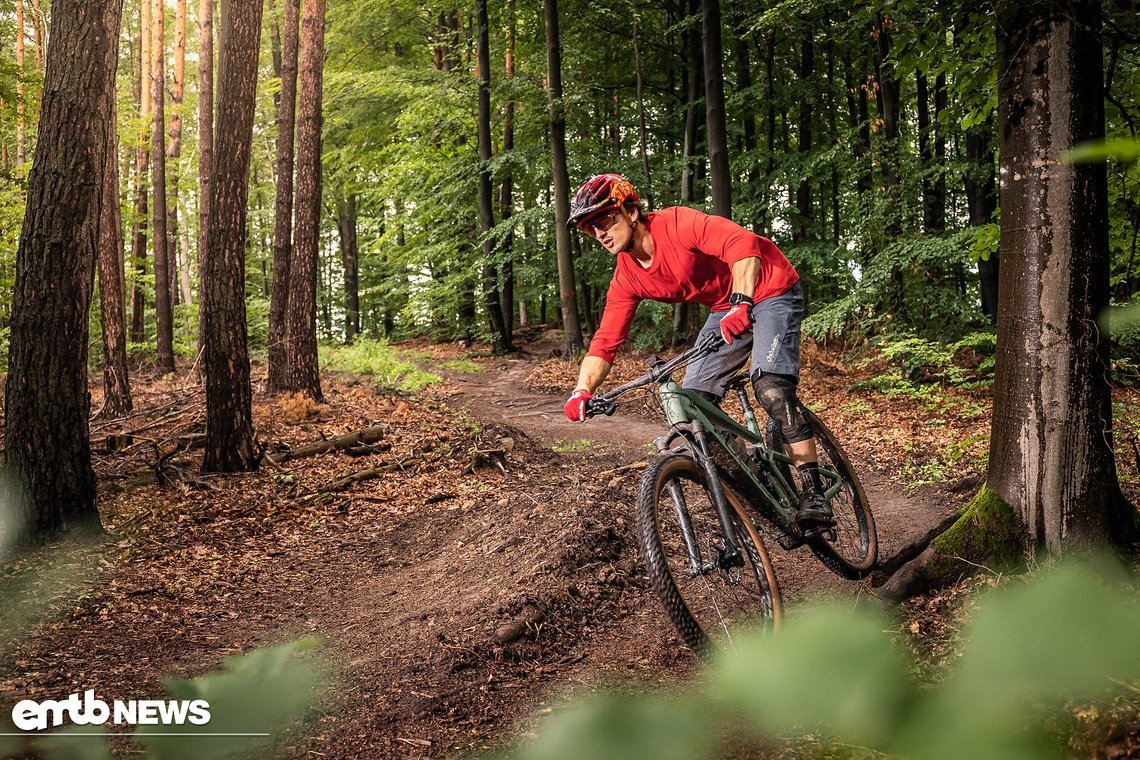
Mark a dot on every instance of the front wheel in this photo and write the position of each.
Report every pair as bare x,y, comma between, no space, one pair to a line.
681,540
851,548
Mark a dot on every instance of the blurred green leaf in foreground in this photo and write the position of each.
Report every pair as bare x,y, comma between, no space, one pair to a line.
1064,635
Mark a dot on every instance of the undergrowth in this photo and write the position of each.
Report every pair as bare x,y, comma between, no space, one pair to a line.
378,360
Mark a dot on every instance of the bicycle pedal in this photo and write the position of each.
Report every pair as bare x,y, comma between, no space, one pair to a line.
821,531
789,542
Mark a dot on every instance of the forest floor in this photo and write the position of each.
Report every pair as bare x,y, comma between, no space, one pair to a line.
459,595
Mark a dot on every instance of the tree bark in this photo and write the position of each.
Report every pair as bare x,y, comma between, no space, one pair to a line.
116,385
205,147
981,199
1051,456
938,185
720,180
642,140
301,323
46,400
506,197
888,99
164,315
21,140
500,339
748,118
696,76
174,148
283,220
572,330
803,192
350,256
229,423
142,177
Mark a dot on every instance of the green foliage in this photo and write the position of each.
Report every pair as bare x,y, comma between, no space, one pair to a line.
258,692
1064,635
378,360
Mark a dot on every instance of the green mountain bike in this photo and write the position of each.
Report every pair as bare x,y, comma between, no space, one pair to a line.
696,501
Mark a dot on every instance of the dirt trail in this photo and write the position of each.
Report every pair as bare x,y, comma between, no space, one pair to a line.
500,395
411,594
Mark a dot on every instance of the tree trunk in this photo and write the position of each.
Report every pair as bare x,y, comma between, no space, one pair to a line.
981,199
21,140
142,176
350,255
572,330
283,219
506,197
46,401
205,147
229,423
174,149
116,385
888,98
303,374
696,77
938,186
925,157
748,118
720,181
770,122
803,192
500,339
164,315
1051,456
641,119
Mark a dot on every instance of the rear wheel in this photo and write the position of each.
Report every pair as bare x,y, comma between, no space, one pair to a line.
709,603
851,548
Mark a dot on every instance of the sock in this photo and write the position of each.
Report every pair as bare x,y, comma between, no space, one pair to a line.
810,477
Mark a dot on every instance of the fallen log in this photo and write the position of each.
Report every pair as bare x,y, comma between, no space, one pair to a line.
373,472
367,435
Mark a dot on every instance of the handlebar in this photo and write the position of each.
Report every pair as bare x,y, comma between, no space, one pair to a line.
606,403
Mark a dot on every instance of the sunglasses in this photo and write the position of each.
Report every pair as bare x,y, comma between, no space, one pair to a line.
598,224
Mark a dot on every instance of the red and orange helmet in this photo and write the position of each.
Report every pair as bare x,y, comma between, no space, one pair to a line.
598,194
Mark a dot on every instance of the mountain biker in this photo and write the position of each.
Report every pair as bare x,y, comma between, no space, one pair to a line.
679,254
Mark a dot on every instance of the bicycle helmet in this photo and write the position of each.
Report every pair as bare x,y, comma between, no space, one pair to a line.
599,193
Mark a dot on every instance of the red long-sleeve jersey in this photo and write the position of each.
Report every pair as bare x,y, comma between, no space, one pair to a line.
693,254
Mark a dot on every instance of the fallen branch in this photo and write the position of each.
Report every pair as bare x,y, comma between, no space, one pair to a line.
625,468
367,435
357,477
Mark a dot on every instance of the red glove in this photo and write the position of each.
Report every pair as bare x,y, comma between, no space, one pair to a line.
576,406
736,322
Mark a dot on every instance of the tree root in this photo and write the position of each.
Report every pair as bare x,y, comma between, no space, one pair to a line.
983,535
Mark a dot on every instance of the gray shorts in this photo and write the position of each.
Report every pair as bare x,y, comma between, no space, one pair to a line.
773,345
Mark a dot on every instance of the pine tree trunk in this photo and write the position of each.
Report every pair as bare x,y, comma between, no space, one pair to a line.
142,177
1051,456
572,330
116,385
301,322
350,256
720,181
205,148
46,401
174,148
164,315
500,339
283,219
21,139
229,423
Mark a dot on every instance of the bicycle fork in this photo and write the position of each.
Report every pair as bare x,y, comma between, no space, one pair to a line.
730,556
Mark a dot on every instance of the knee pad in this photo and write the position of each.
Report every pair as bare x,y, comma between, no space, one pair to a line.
777,394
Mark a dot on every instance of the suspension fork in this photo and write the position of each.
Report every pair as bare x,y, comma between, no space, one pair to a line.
680,509
731,556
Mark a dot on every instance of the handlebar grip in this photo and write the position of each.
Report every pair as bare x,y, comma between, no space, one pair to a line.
600,405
